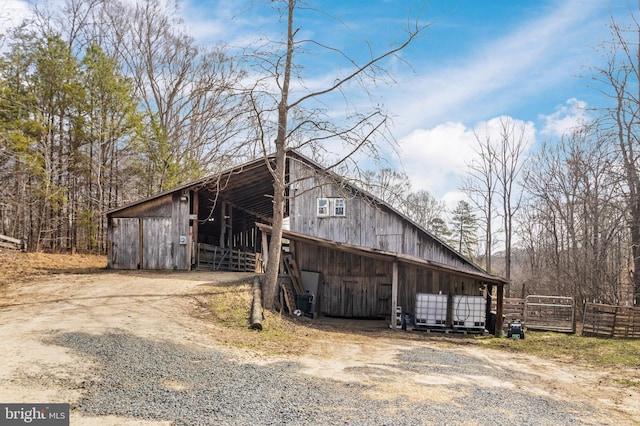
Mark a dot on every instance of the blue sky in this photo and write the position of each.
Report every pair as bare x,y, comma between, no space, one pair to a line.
477,61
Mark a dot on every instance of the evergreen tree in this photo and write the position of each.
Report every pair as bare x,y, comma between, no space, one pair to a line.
464,229
112,131
438,227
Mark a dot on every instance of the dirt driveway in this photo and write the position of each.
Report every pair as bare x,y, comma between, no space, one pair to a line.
168,307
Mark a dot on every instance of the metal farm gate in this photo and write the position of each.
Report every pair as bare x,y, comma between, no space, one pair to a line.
552,313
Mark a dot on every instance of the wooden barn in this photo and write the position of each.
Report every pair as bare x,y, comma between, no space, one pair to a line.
358,257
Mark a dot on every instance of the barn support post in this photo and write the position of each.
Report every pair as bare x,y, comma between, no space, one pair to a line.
394,294
499,309
223,224
189,248
487,313
195,201
229,223
265,250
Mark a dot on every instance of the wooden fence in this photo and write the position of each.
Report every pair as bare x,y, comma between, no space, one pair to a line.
512,309
611,321
214,258
11,243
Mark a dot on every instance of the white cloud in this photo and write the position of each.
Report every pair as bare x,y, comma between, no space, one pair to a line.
433,159
12,13
452,198
566,118
436,159
503,73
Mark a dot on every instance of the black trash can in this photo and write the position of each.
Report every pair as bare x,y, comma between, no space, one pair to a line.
303,302
491,324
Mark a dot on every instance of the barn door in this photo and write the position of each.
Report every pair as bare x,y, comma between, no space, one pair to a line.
125,243
383,300
157,249
355,297
348,291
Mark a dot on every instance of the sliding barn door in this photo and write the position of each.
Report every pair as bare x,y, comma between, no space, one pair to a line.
125,243
156,242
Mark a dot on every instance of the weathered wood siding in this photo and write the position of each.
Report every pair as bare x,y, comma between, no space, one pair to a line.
360,286
157,247
365,224
413,280
352,285
180,228
158,207
152,235
124,247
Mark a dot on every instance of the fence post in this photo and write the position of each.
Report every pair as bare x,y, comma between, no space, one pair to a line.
573,315
584,316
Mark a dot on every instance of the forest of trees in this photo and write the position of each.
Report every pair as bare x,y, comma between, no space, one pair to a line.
104,103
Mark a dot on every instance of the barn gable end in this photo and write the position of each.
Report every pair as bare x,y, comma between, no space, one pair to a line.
366,222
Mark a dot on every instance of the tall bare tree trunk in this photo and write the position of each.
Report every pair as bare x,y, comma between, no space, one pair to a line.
275,249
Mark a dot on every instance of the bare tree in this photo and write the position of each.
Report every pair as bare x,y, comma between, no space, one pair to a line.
189,93
424,209
509,161
494,175
480,186
618,80
302,119
574,224
387,184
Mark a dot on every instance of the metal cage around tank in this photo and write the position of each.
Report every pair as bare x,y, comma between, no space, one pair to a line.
468,312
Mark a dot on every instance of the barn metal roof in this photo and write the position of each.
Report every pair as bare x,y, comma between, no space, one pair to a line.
248,187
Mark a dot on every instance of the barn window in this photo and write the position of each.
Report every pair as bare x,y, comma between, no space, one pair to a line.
339,207
323,207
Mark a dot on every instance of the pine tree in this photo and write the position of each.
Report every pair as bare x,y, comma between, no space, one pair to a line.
438,227
464,229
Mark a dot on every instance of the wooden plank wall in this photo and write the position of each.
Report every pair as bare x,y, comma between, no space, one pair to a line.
353,286
359,286
179,228
157,247
611,321
413,280
124,247
158,207
151,231
365,224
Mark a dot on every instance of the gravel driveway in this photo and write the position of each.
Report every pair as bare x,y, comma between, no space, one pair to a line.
123,349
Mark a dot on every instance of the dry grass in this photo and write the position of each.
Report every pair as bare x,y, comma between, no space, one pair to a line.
281,334
20,267
593,351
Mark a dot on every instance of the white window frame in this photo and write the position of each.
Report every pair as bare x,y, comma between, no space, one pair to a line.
336,206
322,207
